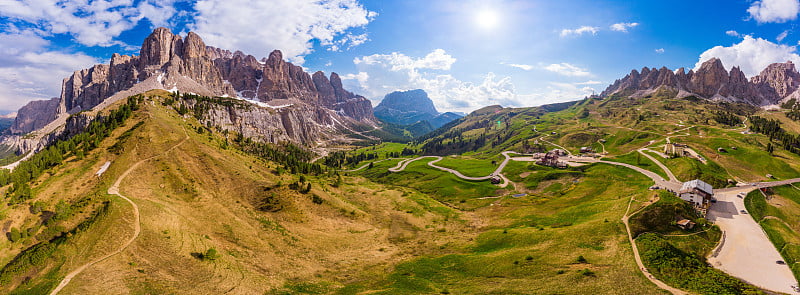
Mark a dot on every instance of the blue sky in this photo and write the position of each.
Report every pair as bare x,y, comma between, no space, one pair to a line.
465,54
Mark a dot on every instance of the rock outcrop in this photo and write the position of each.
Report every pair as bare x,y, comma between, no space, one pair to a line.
169,62
778,82
35,115
409,107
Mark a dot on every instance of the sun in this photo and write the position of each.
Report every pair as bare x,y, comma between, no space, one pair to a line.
487,19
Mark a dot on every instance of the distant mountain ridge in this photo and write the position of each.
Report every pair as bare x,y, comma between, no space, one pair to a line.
412,106
288,103
777,83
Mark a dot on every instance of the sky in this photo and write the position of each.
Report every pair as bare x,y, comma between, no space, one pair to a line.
465,54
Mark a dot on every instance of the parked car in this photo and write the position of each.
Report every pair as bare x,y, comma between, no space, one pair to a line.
743,212
781,262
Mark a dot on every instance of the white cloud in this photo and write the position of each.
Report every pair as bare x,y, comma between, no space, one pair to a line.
782,35
28,71
623,27
732,33
91,23
660,50
349,40
438,59
380,74
361,77
580,31
292,26
566,69
519,66
590,82
774,11
752,55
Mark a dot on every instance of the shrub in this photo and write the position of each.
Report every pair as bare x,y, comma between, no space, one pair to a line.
14,236
587,272
582,259
316,199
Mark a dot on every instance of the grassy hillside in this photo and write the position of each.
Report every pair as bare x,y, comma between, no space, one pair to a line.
532,245
219,213
621,125
198,192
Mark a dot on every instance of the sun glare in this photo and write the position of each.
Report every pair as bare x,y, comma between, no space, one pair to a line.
487,19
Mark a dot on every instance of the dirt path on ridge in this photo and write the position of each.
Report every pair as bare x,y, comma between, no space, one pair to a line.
114,190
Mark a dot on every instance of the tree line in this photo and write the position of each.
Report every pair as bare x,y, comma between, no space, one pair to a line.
54,154
772,128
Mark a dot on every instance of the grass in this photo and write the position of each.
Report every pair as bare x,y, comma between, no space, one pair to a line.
382,149
660,217
685,269
636,159
182,195
470,166
531,245
442,186
779,217
686,169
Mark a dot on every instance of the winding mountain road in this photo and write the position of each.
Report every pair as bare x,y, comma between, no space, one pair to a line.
137,228
775,278
663,167
497,172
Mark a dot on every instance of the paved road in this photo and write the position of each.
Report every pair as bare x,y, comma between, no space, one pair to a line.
663,167
746,251
659,181
137,227
404,163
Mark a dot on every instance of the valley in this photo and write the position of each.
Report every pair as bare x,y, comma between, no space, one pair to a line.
191,169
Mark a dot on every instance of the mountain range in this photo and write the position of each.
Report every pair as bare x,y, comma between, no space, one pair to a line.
289,104
777,83
412,106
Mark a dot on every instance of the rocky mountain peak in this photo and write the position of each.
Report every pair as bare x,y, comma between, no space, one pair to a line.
168,61
275,57
193,46
408,107
782,77
158,47
775,83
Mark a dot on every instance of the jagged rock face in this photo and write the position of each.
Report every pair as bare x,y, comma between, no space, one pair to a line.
781,77
168,61
283,80
277,79
158,49
777,82
162,53
298,123
327,95
709,78
34,115
242,71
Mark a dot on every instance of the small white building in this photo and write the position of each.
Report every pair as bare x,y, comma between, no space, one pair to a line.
697,192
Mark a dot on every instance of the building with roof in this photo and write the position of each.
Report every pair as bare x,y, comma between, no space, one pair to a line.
551,159
676,149
698,193
685,224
